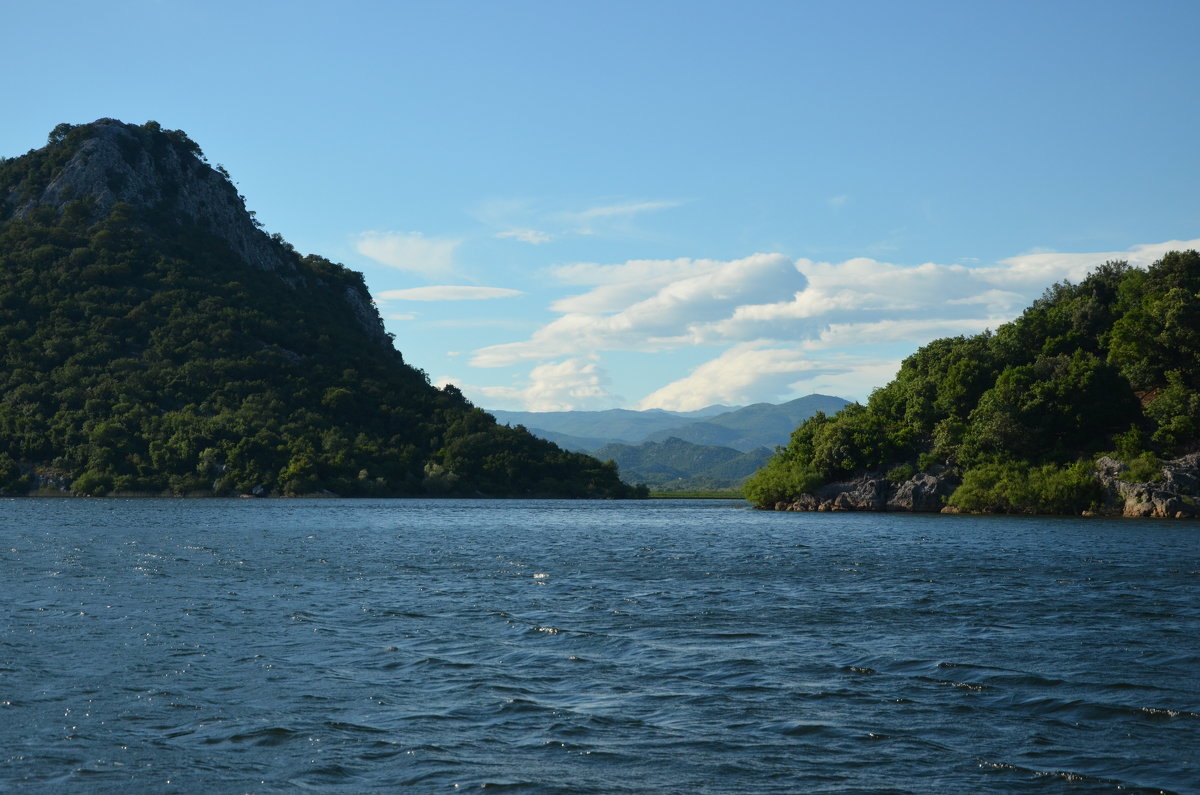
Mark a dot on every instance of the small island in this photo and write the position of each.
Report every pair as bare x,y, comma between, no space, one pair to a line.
1088,403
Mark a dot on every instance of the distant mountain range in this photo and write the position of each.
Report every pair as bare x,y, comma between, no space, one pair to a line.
717,447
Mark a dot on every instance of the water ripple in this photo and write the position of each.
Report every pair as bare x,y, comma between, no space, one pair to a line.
591,647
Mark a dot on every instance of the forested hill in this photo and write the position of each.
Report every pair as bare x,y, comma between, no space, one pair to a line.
1095,378
154,339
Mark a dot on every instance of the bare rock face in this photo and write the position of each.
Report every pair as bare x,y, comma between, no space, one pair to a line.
923,493
164,172
1175,496
146,167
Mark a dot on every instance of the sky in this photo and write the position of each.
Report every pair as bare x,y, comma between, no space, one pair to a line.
663,203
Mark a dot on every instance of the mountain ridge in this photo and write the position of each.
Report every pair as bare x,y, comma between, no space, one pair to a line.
715,448
750,427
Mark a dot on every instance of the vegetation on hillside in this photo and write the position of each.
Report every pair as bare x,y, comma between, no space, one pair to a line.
676,466
1109,365
140,354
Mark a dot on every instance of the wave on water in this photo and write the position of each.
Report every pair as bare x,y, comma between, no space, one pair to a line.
592,647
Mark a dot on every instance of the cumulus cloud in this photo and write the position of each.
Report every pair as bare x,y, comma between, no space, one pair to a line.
618,286
865,291
448,292
782,323
409,251
746,373
578,383
1043,268
631,312
844,336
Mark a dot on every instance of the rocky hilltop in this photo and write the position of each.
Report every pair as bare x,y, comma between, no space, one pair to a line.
94,167
109,161
155,340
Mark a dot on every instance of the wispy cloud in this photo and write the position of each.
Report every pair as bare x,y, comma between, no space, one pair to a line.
448,293
611,218
622,209
531,236
537,223
410,251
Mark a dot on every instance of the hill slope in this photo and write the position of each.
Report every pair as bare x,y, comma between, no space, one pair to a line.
154,339
1021,420
715,448
676,465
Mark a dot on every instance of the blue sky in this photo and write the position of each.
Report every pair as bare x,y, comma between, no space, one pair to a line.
661,204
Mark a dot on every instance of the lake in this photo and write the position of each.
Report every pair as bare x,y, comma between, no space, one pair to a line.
272,645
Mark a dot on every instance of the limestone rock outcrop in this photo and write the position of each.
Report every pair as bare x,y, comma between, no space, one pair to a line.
925,492
1176,495
164,173
120,162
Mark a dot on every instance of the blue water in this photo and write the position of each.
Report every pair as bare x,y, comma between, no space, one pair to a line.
259,646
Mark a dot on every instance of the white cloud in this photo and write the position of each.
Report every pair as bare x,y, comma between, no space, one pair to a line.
610,218
866,291
531,236
844,336
577,383
746,373
533,222
839,201
623,209
785,324
410,251
617,286
1040,269
448,292
651,313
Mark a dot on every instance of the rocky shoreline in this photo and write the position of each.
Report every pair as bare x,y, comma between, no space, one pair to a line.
1175,495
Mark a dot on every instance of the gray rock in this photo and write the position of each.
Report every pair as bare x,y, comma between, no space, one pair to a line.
1175,495
127,163
923,493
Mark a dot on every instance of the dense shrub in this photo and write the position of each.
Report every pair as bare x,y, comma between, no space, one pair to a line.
1012,487
1110,363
